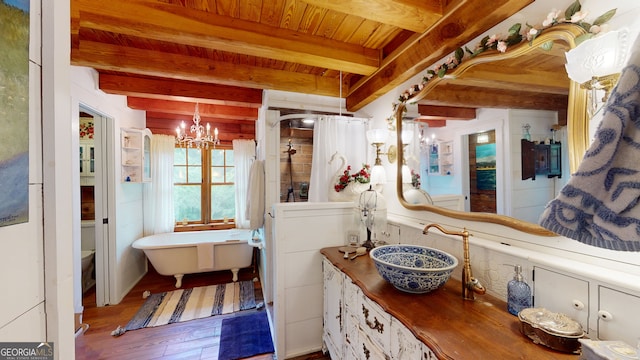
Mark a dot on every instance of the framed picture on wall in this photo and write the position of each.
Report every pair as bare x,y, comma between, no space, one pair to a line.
14,112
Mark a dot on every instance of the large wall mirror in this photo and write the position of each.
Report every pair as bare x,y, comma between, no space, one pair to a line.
526,74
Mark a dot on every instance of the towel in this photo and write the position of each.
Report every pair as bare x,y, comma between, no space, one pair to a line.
255,195
205,255
599,204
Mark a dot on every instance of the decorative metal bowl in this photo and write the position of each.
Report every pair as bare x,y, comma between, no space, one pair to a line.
412,268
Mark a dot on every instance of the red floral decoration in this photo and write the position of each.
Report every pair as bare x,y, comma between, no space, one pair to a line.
363,176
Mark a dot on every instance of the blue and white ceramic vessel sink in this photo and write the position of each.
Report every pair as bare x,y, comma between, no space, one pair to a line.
412,268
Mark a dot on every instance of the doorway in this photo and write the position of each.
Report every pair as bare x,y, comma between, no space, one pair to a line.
482,172
95,188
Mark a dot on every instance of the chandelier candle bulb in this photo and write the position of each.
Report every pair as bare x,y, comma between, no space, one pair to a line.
208,128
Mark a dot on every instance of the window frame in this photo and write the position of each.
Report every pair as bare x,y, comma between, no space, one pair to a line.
206,208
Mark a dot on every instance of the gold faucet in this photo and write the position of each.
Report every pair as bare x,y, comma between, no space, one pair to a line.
470,284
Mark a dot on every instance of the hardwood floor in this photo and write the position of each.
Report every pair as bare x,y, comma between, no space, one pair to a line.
195,339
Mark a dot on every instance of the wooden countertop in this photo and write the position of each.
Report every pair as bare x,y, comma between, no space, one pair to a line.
452,327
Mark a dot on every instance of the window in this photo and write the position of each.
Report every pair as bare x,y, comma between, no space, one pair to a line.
204,186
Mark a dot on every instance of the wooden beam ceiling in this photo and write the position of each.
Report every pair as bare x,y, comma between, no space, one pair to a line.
222,54
159,21
118,58
451,32
417,16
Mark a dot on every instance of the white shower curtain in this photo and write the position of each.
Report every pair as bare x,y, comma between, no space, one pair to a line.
244,153
158,195
346,135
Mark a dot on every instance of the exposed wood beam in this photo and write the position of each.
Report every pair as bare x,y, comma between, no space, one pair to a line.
227,131
454,30
464,96
116,58
187,117
446,112
166,22
185,108
416,16
179,90
432,123
502,77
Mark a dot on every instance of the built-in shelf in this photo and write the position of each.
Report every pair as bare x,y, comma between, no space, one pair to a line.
440,158
136,159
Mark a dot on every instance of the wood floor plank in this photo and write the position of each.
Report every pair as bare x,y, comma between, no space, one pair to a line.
193,339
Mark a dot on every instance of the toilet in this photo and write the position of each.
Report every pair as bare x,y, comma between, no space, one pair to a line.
87,269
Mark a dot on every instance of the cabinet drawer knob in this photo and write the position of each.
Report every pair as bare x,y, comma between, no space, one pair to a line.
605,315
577,304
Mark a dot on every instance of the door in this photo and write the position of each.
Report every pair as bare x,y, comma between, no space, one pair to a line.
482,172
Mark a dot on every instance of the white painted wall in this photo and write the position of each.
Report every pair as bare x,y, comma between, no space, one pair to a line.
22,265
54,177
126,265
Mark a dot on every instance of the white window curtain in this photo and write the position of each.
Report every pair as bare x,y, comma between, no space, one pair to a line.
158,194
244,153
331,134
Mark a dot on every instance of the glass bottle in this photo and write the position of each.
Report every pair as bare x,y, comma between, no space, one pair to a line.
518,292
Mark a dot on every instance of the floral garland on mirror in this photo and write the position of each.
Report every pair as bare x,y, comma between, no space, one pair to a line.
572,15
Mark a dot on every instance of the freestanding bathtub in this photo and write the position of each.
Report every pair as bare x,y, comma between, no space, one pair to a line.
190,252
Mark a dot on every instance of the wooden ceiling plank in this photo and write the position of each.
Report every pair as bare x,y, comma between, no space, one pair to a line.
187,109
454,30
162,88
446,112
165,22
108,57
414,16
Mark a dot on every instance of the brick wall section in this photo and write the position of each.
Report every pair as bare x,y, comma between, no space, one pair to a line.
302,141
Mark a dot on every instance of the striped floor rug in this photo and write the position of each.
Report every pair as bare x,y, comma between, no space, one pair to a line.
188,304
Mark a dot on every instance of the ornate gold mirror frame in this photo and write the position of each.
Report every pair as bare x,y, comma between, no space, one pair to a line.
577,124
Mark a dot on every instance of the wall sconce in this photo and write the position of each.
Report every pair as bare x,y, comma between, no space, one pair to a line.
377,138
596,64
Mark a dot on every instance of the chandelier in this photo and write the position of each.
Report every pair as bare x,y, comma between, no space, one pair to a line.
197,138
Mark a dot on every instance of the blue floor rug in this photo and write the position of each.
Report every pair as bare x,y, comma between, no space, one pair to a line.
244,336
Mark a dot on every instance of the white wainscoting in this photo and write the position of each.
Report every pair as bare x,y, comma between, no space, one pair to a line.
300,231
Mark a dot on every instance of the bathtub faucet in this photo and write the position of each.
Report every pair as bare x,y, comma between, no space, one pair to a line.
470,285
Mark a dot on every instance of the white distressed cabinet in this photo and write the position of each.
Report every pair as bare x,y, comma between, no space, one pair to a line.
356,327
333,308
573,300
618,315
607,313
87,158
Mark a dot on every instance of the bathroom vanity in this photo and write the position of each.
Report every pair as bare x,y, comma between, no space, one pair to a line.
365,317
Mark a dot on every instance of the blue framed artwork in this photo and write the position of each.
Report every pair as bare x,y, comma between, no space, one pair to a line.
486,166
14,112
